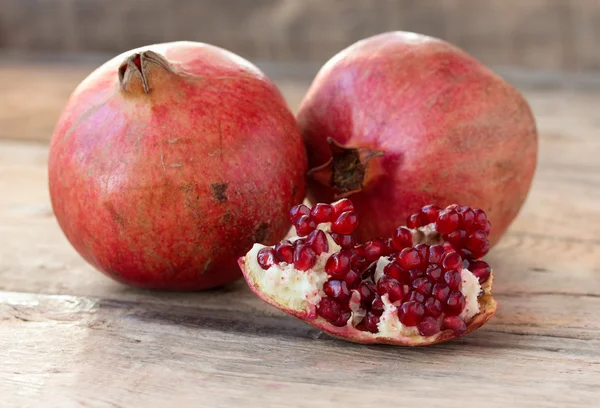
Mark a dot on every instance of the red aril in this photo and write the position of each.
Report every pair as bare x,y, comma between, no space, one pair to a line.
411,313
429,326
317,240
322,213
378,300
304,257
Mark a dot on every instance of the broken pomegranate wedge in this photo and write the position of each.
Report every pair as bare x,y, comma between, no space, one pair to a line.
424,285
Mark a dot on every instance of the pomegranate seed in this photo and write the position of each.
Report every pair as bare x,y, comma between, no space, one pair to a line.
337,290
352,279
410,258
414,274
346,223
456,238
428,214
371,320
413,296
447,247
476,241
423,250
436,252
297,211
429,326
304,225
332,312
447,221
343,319
422,285
389,247
341,206
374,249
321,213
377,304
433,307
359,263
455,303
488,227
393,270
338,265
402,238
345,241
434,273
412,222
392,287
451,260
441,291
411,313
359,250
480,221
285,251
455,324
453,279
304,258
465,253
484,250
317,240
480,269
266,258
367,293
299,241
329,309
467,217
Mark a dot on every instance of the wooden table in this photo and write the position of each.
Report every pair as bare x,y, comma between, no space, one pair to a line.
71,337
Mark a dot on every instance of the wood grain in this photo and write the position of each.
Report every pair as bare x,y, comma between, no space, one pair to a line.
132,353
71,337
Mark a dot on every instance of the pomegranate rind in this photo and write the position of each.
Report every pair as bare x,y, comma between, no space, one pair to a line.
487,309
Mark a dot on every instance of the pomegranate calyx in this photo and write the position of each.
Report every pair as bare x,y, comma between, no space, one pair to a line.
348,170
135,72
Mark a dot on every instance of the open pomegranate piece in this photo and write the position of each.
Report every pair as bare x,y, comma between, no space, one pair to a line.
421,286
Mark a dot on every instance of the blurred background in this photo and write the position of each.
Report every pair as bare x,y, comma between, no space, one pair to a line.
48,46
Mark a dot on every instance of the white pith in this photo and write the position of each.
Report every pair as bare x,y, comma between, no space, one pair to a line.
471,289
389,322
302,290
298,290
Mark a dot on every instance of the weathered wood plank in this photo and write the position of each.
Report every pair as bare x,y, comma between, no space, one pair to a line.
76,351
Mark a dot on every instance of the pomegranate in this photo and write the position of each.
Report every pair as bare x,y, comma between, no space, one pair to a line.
427,292
400,120
459,227
169,161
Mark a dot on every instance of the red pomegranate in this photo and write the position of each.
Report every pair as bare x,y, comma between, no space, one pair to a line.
415,288
400,120
169,161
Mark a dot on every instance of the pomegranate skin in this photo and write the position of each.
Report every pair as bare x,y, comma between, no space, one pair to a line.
450,130
169,161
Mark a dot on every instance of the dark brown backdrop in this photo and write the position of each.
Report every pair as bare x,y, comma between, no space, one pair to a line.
542,34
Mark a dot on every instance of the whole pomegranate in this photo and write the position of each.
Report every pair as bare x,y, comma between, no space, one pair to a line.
400,120
169,161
